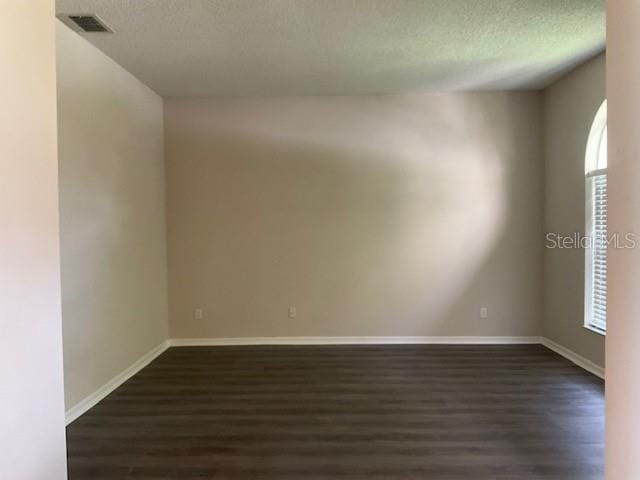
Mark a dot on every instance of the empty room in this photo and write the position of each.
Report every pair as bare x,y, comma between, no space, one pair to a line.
319,239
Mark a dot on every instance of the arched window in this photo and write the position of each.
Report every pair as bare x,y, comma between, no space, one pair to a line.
596,224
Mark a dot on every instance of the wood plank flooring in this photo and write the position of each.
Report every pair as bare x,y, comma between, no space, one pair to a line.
434,412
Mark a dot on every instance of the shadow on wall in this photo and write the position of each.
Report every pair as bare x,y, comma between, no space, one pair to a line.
376,215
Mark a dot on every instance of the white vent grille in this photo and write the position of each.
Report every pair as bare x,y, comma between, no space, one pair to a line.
87,23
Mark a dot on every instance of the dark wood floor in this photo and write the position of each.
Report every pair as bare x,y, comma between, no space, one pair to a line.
347,412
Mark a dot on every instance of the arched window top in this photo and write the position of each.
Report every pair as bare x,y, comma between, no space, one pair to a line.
596,156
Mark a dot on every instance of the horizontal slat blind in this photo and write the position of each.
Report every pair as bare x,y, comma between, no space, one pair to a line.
599,252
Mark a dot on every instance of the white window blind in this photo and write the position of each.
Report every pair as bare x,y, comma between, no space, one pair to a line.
599,252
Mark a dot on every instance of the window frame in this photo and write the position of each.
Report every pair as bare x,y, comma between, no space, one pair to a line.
593,167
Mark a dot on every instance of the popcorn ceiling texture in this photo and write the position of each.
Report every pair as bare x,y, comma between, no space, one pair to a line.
344,47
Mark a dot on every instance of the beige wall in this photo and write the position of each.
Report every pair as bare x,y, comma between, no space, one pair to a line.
569,108
623,326
31,396
373,215
114,283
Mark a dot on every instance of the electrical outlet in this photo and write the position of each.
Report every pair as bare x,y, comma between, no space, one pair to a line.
484,312
198,314
293,312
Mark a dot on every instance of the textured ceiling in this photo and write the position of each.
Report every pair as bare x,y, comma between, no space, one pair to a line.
313,47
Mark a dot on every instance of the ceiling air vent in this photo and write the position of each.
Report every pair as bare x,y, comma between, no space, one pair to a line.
89,23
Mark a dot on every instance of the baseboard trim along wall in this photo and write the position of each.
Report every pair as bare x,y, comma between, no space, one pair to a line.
193,342
81,407
579,360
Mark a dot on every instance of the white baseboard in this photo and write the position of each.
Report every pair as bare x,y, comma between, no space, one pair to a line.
466,340
579,360
85,404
